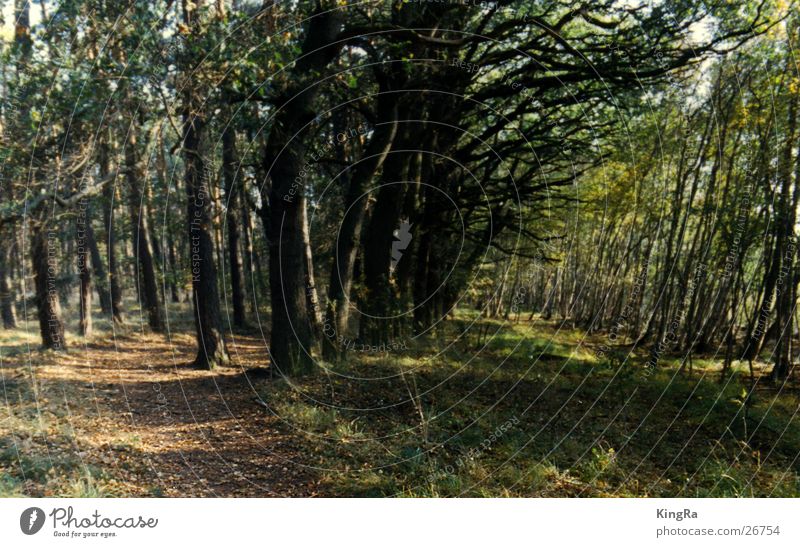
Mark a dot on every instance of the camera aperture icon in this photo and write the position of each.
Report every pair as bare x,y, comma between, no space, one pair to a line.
403,239
31,520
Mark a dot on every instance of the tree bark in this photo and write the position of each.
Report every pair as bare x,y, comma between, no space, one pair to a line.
292,337
786,287
99,269
355,206
230,164
211,348
139,212
173,265
45,272
84,268
378,299
7,305
113,284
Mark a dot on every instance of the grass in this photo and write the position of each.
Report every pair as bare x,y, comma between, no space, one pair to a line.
40,453
525,411
491,409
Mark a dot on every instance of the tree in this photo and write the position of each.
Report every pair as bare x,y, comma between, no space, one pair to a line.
211,348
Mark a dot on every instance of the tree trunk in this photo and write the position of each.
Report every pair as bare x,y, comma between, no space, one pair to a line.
139,211
250,277
84,243
385,220
211,348
45,271
99,268
7,307
173,265
355,206
312,299
113,285
230,165
292,336
785,290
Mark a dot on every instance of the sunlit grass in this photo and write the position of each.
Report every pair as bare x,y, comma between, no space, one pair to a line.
584,426
510,409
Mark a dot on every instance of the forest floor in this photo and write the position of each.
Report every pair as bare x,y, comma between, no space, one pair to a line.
508,409
125,415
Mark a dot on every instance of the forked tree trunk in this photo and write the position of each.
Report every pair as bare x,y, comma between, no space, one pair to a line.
139,211
355,206
378,300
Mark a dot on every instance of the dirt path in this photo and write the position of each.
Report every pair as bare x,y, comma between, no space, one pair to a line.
137,409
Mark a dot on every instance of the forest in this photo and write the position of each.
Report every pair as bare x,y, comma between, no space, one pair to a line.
411,248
